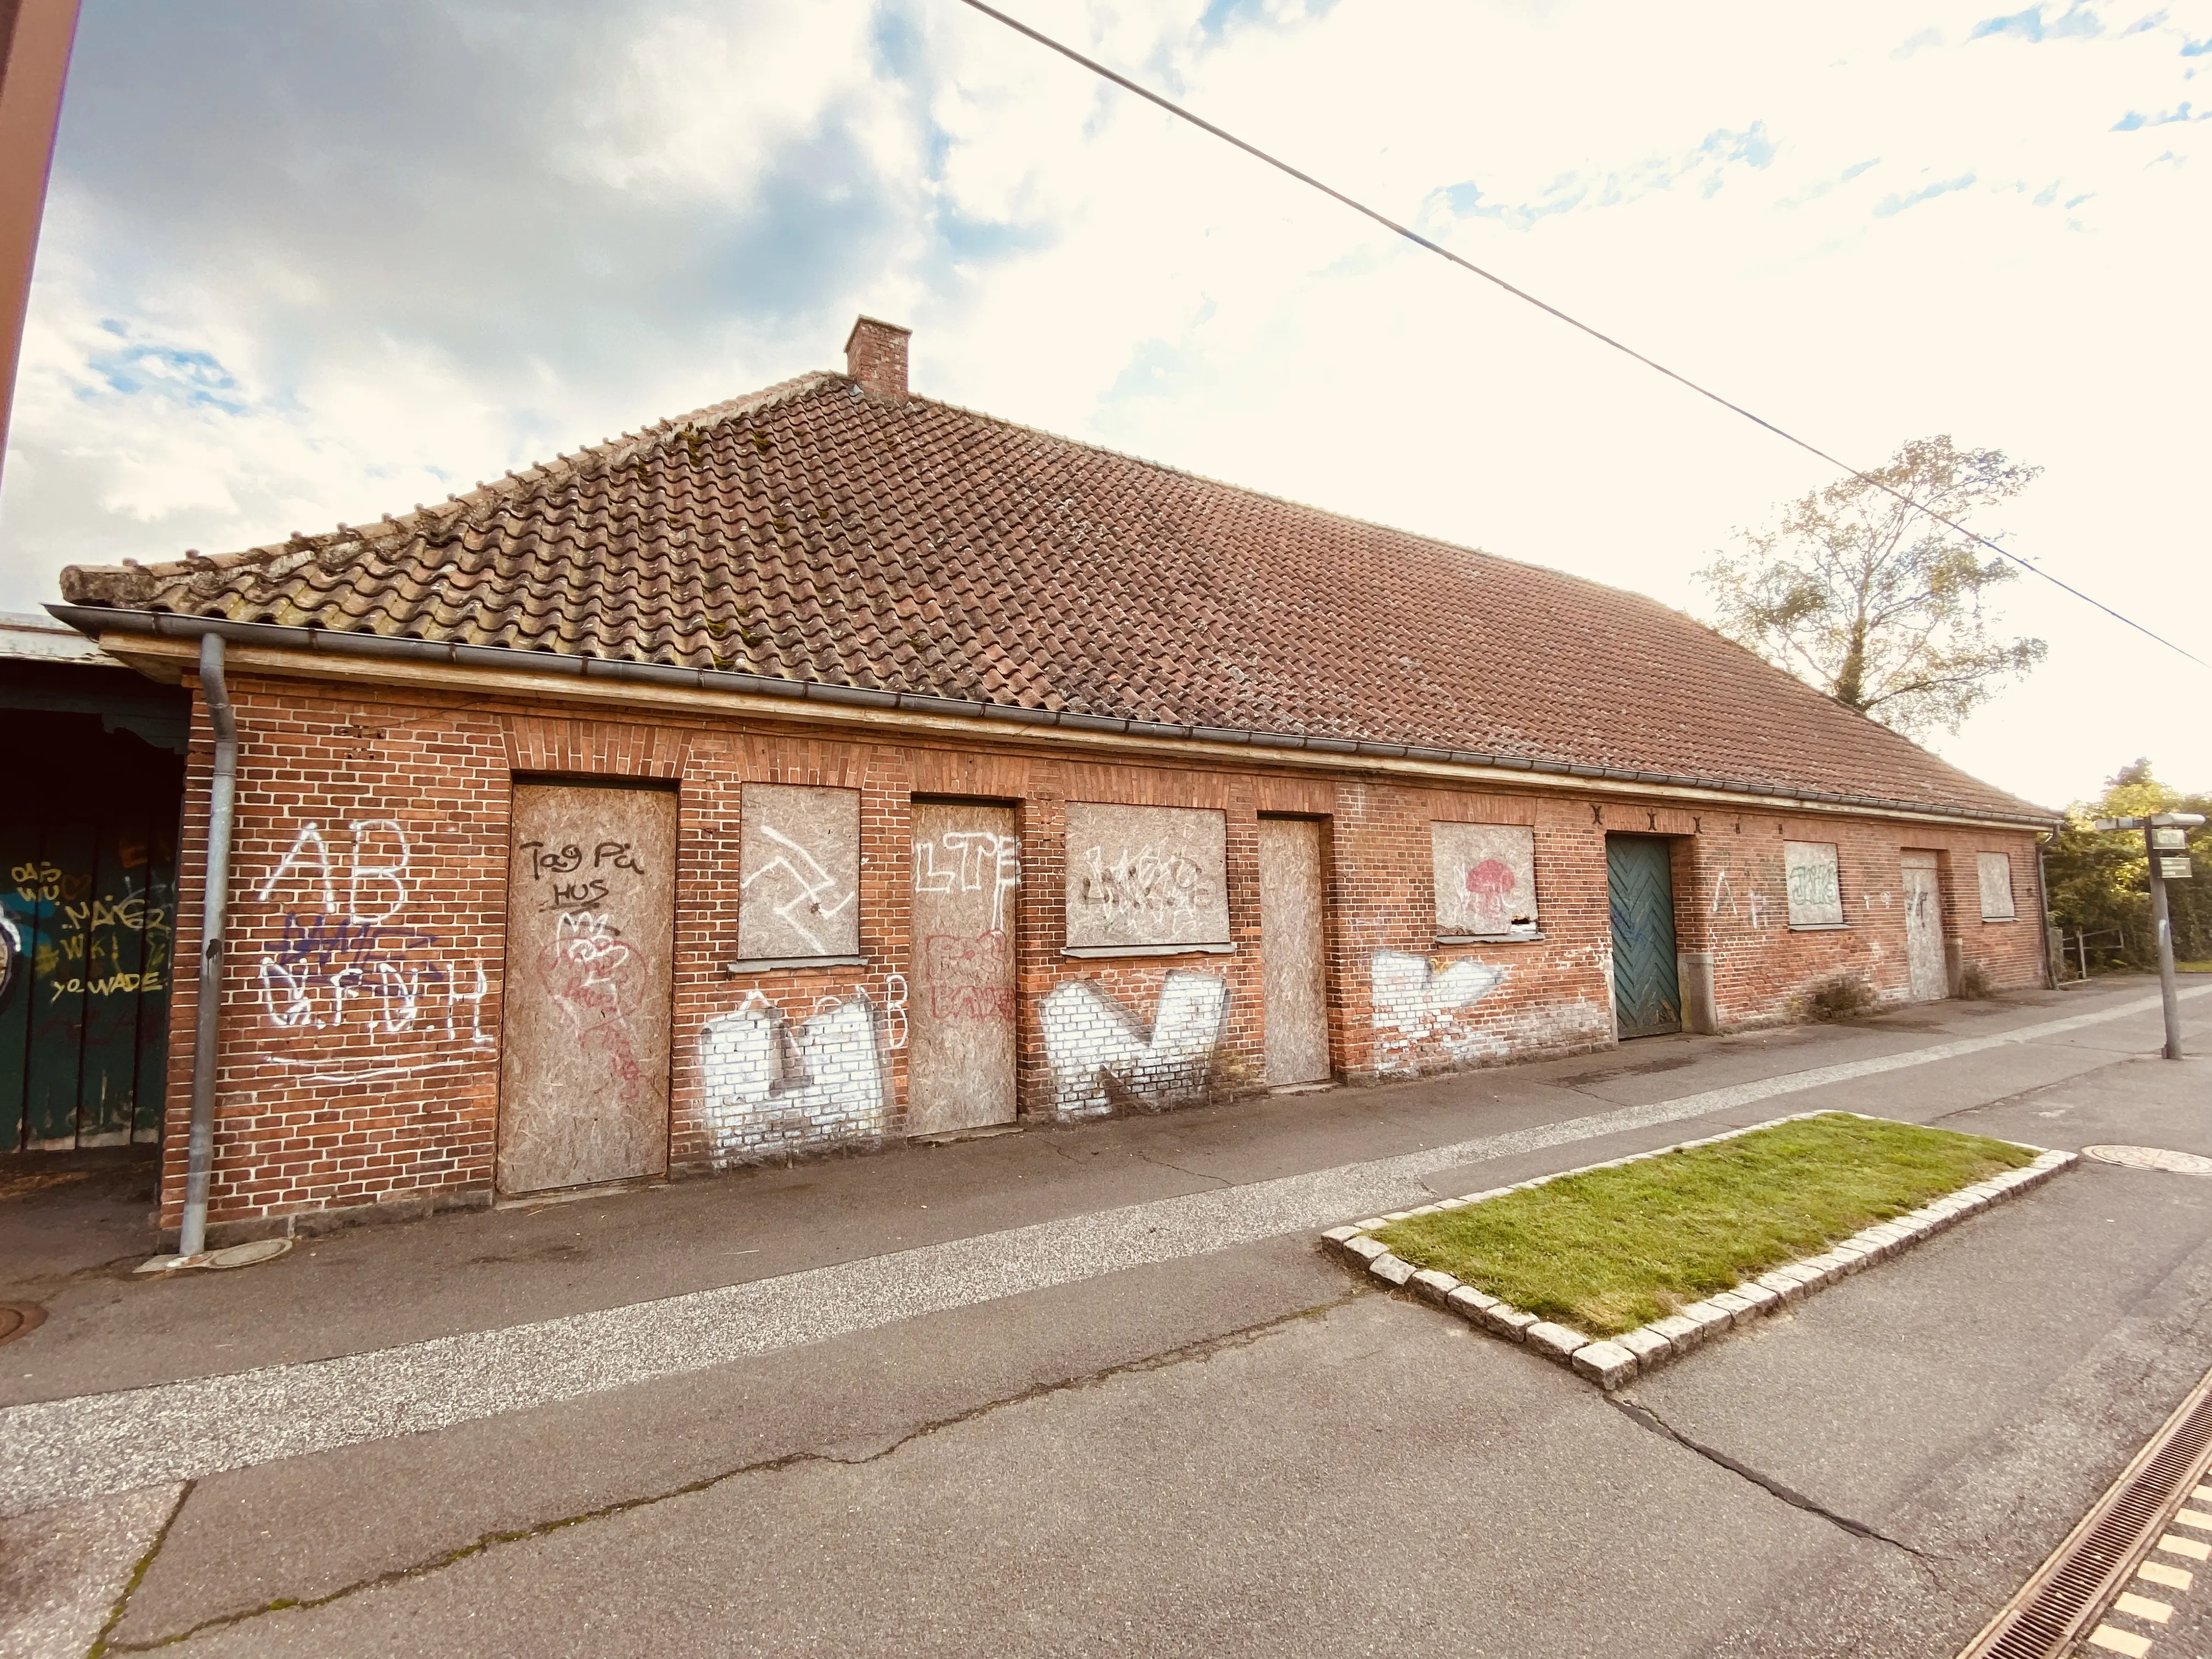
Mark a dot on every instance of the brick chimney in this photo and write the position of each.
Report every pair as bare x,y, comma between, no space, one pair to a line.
875,355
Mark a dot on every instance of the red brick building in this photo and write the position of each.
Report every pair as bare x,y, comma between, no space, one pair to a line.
834,764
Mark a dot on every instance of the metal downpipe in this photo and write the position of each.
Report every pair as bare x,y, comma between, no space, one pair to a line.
199,1153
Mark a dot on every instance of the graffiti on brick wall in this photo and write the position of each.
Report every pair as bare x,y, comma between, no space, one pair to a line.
1418,1010
969,861
1096,1050
348,962
771,1086
1753,906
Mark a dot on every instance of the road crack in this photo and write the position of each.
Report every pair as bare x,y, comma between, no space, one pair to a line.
1192,1353
1644,1417
1195,1174
99,1643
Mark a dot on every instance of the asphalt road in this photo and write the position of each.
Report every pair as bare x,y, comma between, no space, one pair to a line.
1126,1414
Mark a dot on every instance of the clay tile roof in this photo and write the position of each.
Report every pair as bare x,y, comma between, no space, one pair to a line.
811,531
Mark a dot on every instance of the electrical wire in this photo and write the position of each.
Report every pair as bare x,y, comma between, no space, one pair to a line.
1442,252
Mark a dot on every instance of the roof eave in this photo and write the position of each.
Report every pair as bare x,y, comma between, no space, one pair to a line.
95,621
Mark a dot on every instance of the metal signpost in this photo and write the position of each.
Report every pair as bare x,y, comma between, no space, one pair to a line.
2166,840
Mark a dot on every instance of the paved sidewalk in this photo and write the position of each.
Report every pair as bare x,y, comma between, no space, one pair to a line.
1118,1341
94,1445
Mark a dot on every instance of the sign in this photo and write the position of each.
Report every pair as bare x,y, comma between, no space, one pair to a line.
2168,839
2171,868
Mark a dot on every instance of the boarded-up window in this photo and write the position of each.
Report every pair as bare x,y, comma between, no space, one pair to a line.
799,850
1995,870
1486,877
1141,876
1816,896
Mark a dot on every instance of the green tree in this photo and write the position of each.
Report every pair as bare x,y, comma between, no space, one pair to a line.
2101,883
1875,603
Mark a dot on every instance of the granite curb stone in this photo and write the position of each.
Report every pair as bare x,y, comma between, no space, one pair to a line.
1610,1362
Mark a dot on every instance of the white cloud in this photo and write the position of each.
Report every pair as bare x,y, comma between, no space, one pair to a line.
564,229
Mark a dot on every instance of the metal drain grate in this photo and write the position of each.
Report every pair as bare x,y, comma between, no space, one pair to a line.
2074,1586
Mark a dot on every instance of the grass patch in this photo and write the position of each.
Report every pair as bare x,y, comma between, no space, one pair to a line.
1609,1250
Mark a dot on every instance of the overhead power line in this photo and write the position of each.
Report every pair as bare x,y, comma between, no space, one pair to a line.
1571,321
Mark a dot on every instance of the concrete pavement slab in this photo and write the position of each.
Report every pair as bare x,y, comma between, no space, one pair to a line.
1194,1507
63,1570
304,1527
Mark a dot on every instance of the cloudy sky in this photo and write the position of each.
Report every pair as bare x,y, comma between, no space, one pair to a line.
312,262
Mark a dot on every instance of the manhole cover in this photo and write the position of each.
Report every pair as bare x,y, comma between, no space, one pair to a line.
16,1317
266,1250
2151,1157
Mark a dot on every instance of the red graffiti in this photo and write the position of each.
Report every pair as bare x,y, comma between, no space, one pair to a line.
595,980
1490,885
966,972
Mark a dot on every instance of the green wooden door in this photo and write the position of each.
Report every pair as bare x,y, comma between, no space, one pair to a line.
1646,996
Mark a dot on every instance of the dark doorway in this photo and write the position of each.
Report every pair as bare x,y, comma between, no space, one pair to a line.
1647,997
87,894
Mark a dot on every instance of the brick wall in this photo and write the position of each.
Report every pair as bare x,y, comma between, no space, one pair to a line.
362,993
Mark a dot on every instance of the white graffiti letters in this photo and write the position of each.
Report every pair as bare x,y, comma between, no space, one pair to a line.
1415,1007
1141,881
1091,1043
362,969
389,876
979,857
771,1087
817,887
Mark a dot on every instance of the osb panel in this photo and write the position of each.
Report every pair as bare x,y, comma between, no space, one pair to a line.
1927,977
961,1006
799,881
1814,882
1993,874
1145,875
1485,878
591,920
1293,952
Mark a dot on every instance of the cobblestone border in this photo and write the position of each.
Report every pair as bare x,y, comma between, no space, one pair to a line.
1614,1360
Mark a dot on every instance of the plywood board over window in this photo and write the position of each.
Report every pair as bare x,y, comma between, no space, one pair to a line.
1146,879
1816,893
1995,870
799,875
1485,878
